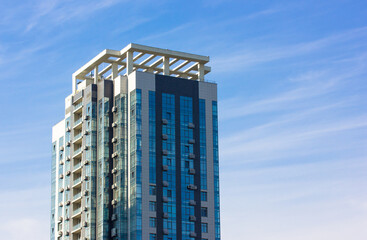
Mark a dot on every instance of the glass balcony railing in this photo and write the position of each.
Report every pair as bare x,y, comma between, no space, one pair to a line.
77,151
76,226
78,121
78,195
76,181
77,106
76,166
76,211
77,136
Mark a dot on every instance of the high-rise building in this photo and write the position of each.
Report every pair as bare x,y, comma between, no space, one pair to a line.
136,156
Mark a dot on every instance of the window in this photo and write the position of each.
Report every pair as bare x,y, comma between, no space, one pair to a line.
152,236
169,162
169,193
152,190
204,212
204,196
204,227
187,164
152,206
152,222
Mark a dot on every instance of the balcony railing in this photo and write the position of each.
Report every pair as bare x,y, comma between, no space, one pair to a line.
78,121
76,211
78,195
77,151
76,181
77,226
77,106
77,136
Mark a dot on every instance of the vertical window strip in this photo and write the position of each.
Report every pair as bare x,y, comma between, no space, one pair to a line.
152,141
216,170
203,166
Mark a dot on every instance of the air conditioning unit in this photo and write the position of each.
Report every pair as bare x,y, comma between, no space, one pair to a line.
164,136
67,203
114,109
114,217
86,147
86,117
113,232
60,233
193,234
165,199
164,121
192,141
85,192
165,152
67,188
85,178
192,187
165,215
61,176
68,144
114,170
62,148
115,154
165,168
114,202
61,162
192,171
60,219
191,155
66,233
67,158
165,184
114,140
61,204
165,231
114,124
114,186
192,218
192,203
68,129
86,132
191,125
86,162
68,173
85,209
61,190
85,224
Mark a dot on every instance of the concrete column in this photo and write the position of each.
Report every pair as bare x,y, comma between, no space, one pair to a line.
74,84
201,72
114,71
96,75
166,66
129,62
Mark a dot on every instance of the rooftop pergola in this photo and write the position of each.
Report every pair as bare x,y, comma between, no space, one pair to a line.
110,63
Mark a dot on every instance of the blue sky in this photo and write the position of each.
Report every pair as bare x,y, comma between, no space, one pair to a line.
292,95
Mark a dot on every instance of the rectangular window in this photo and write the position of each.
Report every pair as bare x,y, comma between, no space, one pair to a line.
152,236
152,206
153,222
204,227
204,196
152,190
204,212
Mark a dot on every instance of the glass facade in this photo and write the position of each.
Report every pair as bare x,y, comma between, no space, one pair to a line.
216,170
103,169
169,160
203,164
135,166
53,190
187,163
120,178
152,135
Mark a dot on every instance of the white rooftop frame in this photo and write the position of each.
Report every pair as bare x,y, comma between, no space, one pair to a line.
192,65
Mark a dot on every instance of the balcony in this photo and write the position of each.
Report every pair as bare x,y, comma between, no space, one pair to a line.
77,181
77,152
78,123
77,227
77,197
78,107
78,137
77,212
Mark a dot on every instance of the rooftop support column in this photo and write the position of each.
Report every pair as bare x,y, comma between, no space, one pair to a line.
166,66
114,70
129,62
74,84
201,72
96,75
